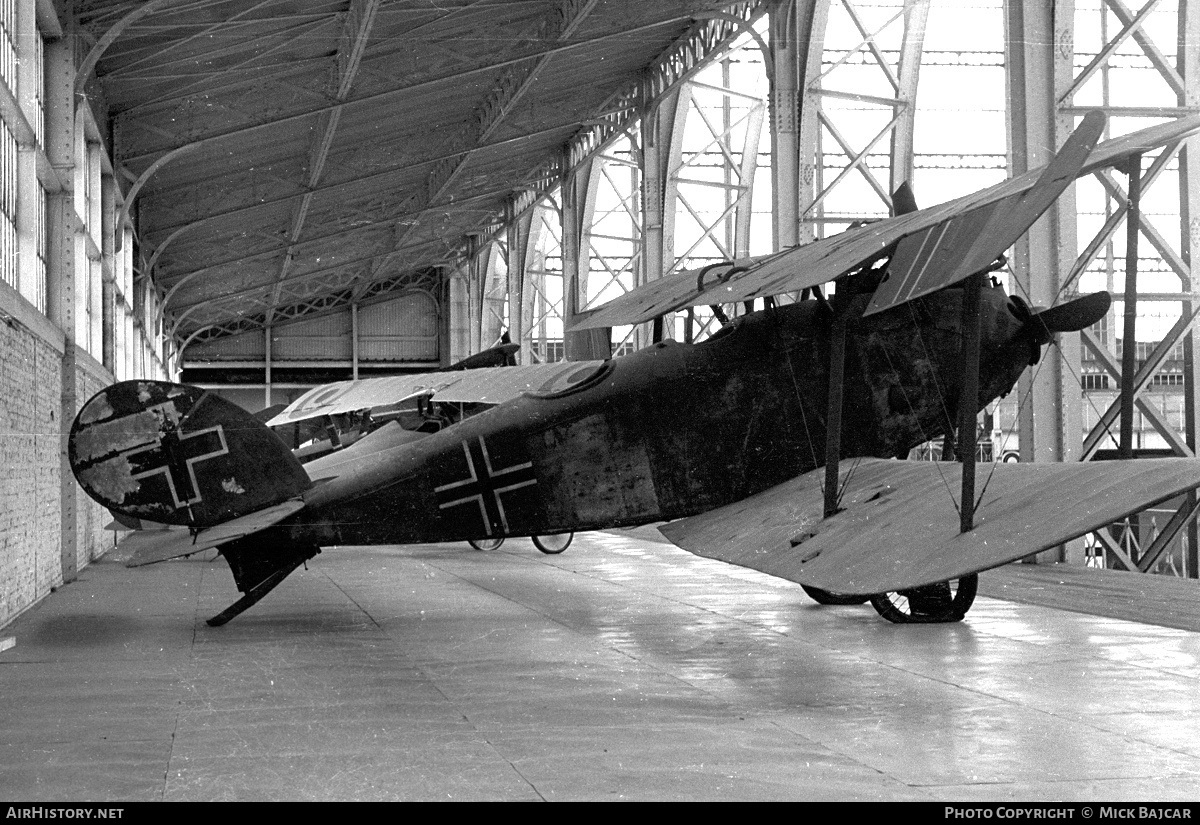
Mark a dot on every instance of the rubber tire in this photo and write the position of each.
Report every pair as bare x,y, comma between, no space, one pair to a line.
825,597
484,545
552,549
897,607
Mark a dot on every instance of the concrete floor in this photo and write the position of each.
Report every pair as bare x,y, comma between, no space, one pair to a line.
623,669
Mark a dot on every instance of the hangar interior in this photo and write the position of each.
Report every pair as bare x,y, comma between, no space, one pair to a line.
260,199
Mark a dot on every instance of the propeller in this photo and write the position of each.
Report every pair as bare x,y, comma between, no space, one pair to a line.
1042,324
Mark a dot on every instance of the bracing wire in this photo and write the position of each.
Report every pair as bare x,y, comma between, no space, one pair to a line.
1021,402
846,481
1013,280
803,417
925,351
1023,399
917,418
1091,403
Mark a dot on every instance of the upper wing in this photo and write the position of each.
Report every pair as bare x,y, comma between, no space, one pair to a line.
967,242
900,527
484,385
821,261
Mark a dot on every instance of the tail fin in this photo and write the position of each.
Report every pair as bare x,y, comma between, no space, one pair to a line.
176,454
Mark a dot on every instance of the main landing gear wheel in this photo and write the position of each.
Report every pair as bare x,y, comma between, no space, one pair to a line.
484,545
825,597
553,545
934,603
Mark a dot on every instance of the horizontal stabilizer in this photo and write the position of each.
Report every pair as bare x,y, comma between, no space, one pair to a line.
899,528
150,546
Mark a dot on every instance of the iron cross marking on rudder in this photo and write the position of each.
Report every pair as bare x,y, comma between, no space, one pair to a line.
174,455
485,486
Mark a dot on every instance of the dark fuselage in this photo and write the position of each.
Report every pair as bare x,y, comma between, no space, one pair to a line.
670,431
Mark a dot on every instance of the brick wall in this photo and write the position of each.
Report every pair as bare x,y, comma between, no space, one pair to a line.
39,498
91,539
30,473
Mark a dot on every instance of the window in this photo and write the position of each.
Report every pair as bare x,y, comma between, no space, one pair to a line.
8,152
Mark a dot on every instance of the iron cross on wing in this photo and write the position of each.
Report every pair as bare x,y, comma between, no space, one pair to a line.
485,486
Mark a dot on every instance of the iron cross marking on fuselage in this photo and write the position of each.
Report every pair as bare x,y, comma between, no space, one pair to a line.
485,486
174,455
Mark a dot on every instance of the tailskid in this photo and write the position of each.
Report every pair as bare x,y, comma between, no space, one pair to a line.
258,566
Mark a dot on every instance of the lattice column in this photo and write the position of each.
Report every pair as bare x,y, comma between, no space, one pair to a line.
847,113
493,294
1188,61
544,282
619,240
458,318
789,23
66,270
1039,59
661,137
1038,62
1108,56
520,293
588,344
1124,45
476,278
710,180
811,23
908,72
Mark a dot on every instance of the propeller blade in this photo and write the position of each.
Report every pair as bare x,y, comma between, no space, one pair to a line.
1041,324
1072,316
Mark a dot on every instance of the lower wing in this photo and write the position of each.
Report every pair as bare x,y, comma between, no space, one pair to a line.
899,526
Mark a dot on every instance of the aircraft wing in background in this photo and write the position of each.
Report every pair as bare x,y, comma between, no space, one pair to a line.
486,385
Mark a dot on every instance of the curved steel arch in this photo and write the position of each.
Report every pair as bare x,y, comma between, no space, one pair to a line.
903,78
88,64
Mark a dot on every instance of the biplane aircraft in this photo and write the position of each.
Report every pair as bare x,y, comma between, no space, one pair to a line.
772,444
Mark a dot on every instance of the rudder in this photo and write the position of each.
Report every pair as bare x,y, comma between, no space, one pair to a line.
180,455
